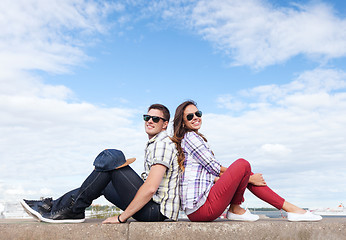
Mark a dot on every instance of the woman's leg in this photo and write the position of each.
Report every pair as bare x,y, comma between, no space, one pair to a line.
289,207
228,189
267,195
294,213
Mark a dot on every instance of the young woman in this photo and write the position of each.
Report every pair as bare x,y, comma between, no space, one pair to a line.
207,188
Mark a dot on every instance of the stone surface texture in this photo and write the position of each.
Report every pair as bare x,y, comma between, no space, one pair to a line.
328,228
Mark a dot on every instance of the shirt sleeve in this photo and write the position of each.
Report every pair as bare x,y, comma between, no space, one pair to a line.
163,154
201,153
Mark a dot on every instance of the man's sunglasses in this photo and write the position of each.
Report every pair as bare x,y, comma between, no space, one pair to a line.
189,116
155,118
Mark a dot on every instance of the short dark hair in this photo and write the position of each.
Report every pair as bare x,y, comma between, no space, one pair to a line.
162,108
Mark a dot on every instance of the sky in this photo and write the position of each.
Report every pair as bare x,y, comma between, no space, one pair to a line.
269,76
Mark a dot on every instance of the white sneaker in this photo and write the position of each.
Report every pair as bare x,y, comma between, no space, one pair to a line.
245,217
305,217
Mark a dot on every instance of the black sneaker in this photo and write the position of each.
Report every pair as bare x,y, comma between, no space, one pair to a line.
36,208
64,215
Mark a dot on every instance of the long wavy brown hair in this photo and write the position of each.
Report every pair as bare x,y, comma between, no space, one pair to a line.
179,130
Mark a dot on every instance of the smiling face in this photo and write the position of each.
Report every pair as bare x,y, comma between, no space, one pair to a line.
152,128
196,122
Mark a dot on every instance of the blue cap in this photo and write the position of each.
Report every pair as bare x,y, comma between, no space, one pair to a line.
109,159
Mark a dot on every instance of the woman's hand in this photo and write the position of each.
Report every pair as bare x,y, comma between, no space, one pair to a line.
111,220
257,180
215,179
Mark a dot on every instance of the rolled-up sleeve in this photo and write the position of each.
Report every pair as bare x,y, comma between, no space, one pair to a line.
163,154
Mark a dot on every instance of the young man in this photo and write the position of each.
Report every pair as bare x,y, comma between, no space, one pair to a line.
154,199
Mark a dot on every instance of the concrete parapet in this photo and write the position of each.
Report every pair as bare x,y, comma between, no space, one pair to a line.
328,228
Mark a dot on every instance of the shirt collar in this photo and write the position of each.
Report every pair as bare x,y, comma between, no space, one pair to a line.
161,135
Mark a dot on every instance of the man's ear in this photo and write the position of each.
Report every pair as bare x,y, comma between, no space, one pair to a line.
165,125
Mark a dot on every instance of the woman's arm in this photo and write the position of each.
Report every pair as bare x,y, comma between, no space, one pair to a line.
222,170
196,146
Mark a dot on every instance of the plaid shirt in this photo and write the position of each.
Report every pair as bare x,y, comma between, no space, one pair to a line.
161,150
201,168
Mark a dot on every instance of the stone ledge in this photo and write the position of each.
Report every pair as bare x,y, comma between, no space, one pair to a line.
328,228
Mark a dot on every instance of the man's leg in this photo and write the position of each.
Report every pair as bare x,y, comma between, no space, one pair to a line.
113,196
62,210
64,200
90,190
123,188
46,209
72,204
125,182
37,208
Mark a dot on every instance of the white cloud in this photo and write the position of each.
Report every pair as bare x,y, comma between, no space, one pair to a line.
292,133
230,102
49,138
275,149
251,32
49,35
257,34
46,139
311,90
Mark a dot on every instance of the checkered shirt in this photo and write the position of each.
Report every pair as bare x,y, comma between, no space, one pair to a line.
201,168
161,150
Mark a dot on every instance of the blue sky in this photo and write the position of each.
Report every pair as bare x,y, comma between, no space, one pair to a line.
269,76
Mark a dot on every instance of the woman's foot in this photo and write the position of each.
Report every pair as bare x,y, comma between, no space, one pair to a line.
290,208
245,217
297,214
305,217
237,213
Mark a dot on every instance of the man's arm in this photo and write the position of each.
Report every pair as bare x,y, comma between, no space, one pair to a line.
144,193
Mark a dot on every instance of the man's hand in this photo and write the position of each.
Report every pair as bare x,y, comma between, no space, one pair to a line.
111,220
257,180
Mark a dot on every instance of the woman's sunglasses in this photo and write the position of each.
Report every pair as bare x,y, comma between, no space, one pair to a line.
189,116
155,118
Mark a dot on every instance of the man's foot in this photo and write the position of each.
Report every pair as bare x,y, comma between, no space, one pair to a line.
305,217
41,210
245,217
64,215
37,207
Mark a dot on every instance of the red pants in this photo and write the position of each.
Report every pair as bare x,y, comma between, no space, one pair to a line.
229,189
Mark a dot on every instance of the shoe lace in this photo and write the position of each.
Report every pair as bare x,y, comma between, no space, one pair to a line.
47,204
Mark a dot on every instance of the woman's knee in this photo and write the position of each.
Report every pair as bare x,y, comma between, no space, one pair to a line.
243,163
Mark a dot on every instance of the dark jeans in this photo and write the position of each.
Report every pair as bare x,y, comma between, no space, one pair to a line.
118,186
